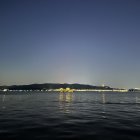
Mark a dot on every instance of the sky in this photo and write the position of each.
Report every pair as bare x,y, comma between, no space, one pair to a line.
70,41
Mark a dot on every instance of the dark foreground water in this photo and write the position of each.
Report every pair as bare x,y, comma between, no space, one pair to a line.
83,115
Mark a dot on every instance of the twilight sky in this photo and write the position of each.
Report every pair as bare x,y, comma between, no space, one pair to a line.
70,41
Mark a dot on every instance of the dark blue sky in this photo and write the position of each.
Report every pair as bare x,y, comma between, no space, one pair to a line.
70,41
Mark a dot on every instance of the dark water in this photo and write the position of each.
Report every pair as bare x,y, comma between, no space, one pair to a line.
89,115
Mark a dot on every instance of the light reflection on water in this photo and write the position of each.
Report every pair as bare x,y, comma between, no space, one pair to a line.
65,100
103,98
3,99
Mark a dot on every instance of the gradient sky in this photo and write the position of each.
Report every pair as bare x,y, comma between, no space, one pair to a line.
70,41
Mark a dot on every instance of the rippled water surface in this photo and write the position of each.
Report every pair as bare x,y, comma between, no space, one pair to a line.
79,115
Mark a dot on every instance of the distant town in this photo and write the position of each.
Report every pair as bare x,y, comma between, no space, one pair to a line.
60,87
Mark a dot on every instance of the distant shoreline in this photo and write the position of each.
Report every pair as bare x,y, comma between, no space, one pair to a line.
56,86
48,87
57,90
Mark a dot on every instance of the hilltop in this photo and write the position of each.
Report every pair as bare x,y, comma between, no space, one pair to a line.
48,86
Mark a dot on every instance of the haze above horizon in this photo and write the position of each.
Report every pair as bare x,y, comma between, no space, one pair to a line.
70,41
